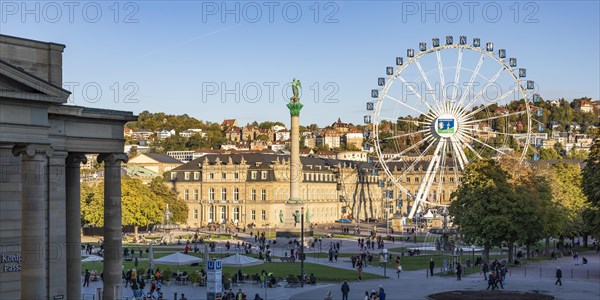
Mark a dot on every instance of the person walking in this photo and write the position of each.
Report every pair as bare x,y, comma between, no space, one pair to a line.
490,282
485,269
345,290
558,276
86,278
458,271
431,266
359,271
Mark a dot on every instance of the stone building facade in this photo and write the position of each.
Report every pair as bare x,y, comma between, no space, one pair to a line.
251,189
42,145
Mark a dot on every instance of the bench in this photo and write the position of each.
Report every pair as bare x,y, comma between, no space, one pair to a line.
292,281
288,259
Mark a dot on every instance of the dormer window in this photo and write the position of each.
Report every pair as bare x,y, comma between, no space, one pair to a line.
253,175
173,175
263,175
196,175
186,175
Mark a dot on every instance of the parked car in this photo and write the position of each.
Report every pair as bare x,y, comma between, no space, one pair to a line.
344,221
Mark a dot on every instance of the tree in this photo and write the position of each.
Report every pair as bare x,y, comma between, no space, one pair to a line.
549,153
577,154
567,193
591,185
262,137
177,207
92,204
140,206
533,199
484,206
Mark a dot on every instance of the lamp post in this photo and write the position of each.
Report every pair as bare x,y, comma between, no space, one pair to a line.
443,243
302,247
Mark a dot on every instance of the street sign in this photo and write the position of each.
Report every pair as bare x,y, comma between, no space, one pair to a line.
214,278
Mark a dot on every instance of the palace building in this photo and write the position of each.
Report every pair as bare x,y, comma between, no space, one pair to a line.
251,189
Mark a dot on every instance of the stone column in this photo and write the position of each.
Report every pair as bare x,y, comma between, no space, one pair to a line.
295,165
34,202
112,223
73,216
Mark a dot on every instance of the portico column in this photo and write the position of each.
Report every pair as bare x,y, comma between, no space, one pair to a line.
112,223
73,215
34,201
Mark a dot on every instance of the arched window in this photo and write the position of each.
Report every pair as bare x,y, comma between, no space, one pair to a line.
236,214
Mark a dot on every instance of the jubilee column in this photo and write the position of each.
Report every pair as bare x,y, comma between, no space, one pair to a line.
112,223
295,165
290,216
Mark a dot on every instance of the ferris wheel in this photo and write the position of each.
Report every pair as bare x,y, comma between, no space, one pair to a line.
445,106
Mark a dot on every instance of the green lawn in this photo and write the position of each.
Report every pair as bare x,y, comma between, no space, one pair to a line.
326,254
420,262
336,236
323,273
279,269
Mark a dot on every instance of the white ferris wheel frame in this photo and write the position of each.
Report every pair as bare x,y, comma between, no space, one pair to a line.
455,142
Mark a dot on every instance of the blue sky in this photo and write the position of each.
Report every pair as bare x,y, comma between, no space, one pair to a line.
187,57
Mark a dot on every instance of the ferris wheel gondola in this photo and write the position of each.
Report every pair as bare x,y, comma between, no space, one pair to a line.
446,106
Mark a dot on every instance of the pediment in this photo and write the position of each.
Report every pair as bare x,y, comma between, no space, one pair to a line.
18,84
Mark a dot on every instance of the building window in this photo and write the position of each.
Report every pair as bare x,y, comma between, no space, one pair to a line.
253,175
236,176
263,215
223,194
263,175
452,179
223,214
236,194
253,215
253,195
173,175
211,176
236,214
186,194
211,194
186,175
263,195
211,213
195,194
196,175
196,213
223,176
416,179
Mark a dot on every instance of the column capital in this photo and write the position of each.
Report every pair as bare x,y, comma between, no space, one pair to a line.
76,158
32,149
112,158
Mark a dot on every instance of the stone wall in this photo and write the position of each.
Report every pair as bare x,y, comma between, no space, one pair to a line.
41,59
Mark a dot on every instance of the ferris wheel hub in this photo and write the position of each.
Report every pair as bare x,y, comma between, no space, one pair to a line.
445,126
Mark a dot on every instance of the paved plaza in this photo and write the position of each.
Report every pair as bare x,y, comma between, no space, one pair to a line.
579,281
